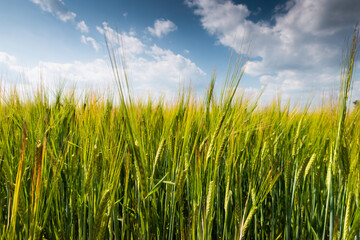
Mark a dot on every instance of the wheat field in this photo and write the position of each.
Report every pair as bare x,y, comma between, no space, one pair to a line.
220,167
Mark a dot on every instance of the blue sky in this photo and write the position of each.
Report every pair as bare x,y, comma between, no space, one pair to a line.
296,45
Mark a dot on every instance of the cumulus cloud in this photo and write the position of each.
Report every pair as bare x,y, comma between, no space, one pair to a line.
57,8
300,50
92,73
82,27
151,69
95,74
6,73
90,40
163,68
7,58
133,45
162,27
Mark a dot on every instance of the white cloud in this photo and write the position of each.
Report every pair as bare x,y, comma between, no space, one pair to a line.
7,58
96,73
90,40
57,8
82,27
6,73
163,68
153,69
162,27
150,69
133,45
299,52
